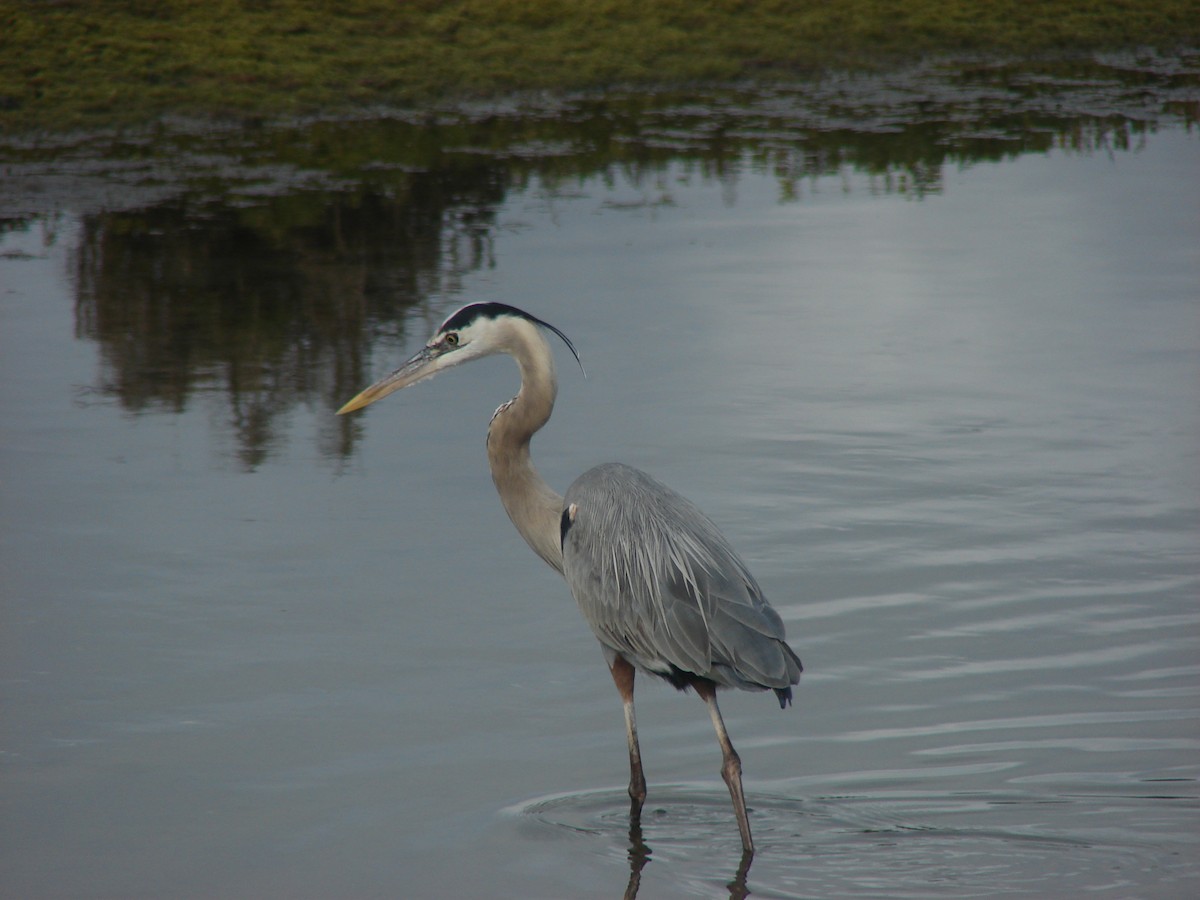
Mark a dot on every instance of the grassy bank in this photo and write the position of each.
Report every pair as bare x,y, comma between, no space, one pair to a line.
69,64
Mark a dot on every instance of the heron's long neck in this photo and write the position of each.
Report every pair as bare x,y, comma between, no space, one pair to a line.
533,505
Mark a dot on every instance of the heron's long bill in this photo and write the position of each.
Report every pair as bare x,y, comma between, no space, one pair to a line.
420,366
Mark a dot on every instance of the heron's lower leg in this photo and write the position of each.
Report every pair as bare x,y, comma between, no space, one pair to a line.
637,779
731,765
622,673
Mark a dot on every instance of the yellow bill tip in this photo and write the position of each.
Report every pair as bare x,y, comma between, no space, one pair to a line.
357,403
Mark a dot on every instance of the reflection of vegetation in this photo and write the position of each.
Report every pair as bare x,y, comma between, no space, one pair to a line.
71,63
262,263
271,305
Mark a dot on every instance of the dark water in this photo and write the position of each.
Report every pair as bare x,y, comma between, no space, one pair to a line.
926,346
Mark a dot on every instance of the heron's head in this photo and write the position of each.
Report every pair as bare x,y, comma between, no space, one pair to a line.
476,330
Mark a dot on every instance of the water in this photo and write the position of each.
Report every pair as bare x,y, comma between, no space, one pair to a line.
934,376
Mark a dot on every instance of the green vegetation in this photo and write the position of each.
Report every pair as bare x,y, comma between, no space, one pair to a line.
67,64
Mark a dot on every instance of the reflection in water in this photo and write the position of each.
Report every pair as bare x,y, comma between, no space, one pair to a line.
737,887
639,855
273,305
691,825
265,263
900,843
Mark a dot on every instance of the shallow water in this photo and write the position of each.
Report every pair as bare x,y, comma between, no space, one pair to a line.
950,421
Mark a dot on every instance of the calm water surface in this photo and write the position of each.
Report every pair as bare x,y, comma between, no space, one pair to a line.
935,376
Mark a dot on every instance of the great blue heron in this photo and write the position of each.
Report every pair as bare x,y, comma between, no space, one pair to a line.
662,589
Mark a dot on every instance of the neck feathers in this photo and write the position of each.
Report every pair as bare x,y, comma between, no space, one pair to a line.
535,509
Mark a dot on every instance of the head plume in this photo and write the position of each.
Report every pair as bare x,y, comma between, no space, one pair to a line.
473,312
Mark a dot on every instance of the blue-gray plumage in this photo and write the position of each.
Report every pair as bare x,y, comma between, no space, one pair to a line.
661,588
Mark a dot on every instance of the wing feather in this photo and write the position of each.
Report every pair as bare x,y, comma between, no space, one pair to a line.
659,584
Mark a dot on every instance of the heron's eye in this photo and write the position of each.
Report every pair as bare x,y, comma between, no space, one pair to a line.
452,339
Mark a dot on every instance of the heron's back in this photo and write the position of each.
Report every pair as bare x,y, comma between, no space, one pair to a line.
660,585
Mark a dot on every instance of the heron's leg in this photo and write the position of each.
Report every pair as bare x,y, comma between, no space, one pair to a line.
622,673
731,765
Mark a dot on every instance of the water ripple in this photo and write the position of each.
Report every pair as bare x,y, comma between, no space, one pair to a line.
1017,722
1100,656
898,844
1085,744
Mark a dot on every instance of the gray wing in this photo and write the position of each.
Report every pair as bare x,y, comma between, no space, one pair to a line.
660,585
